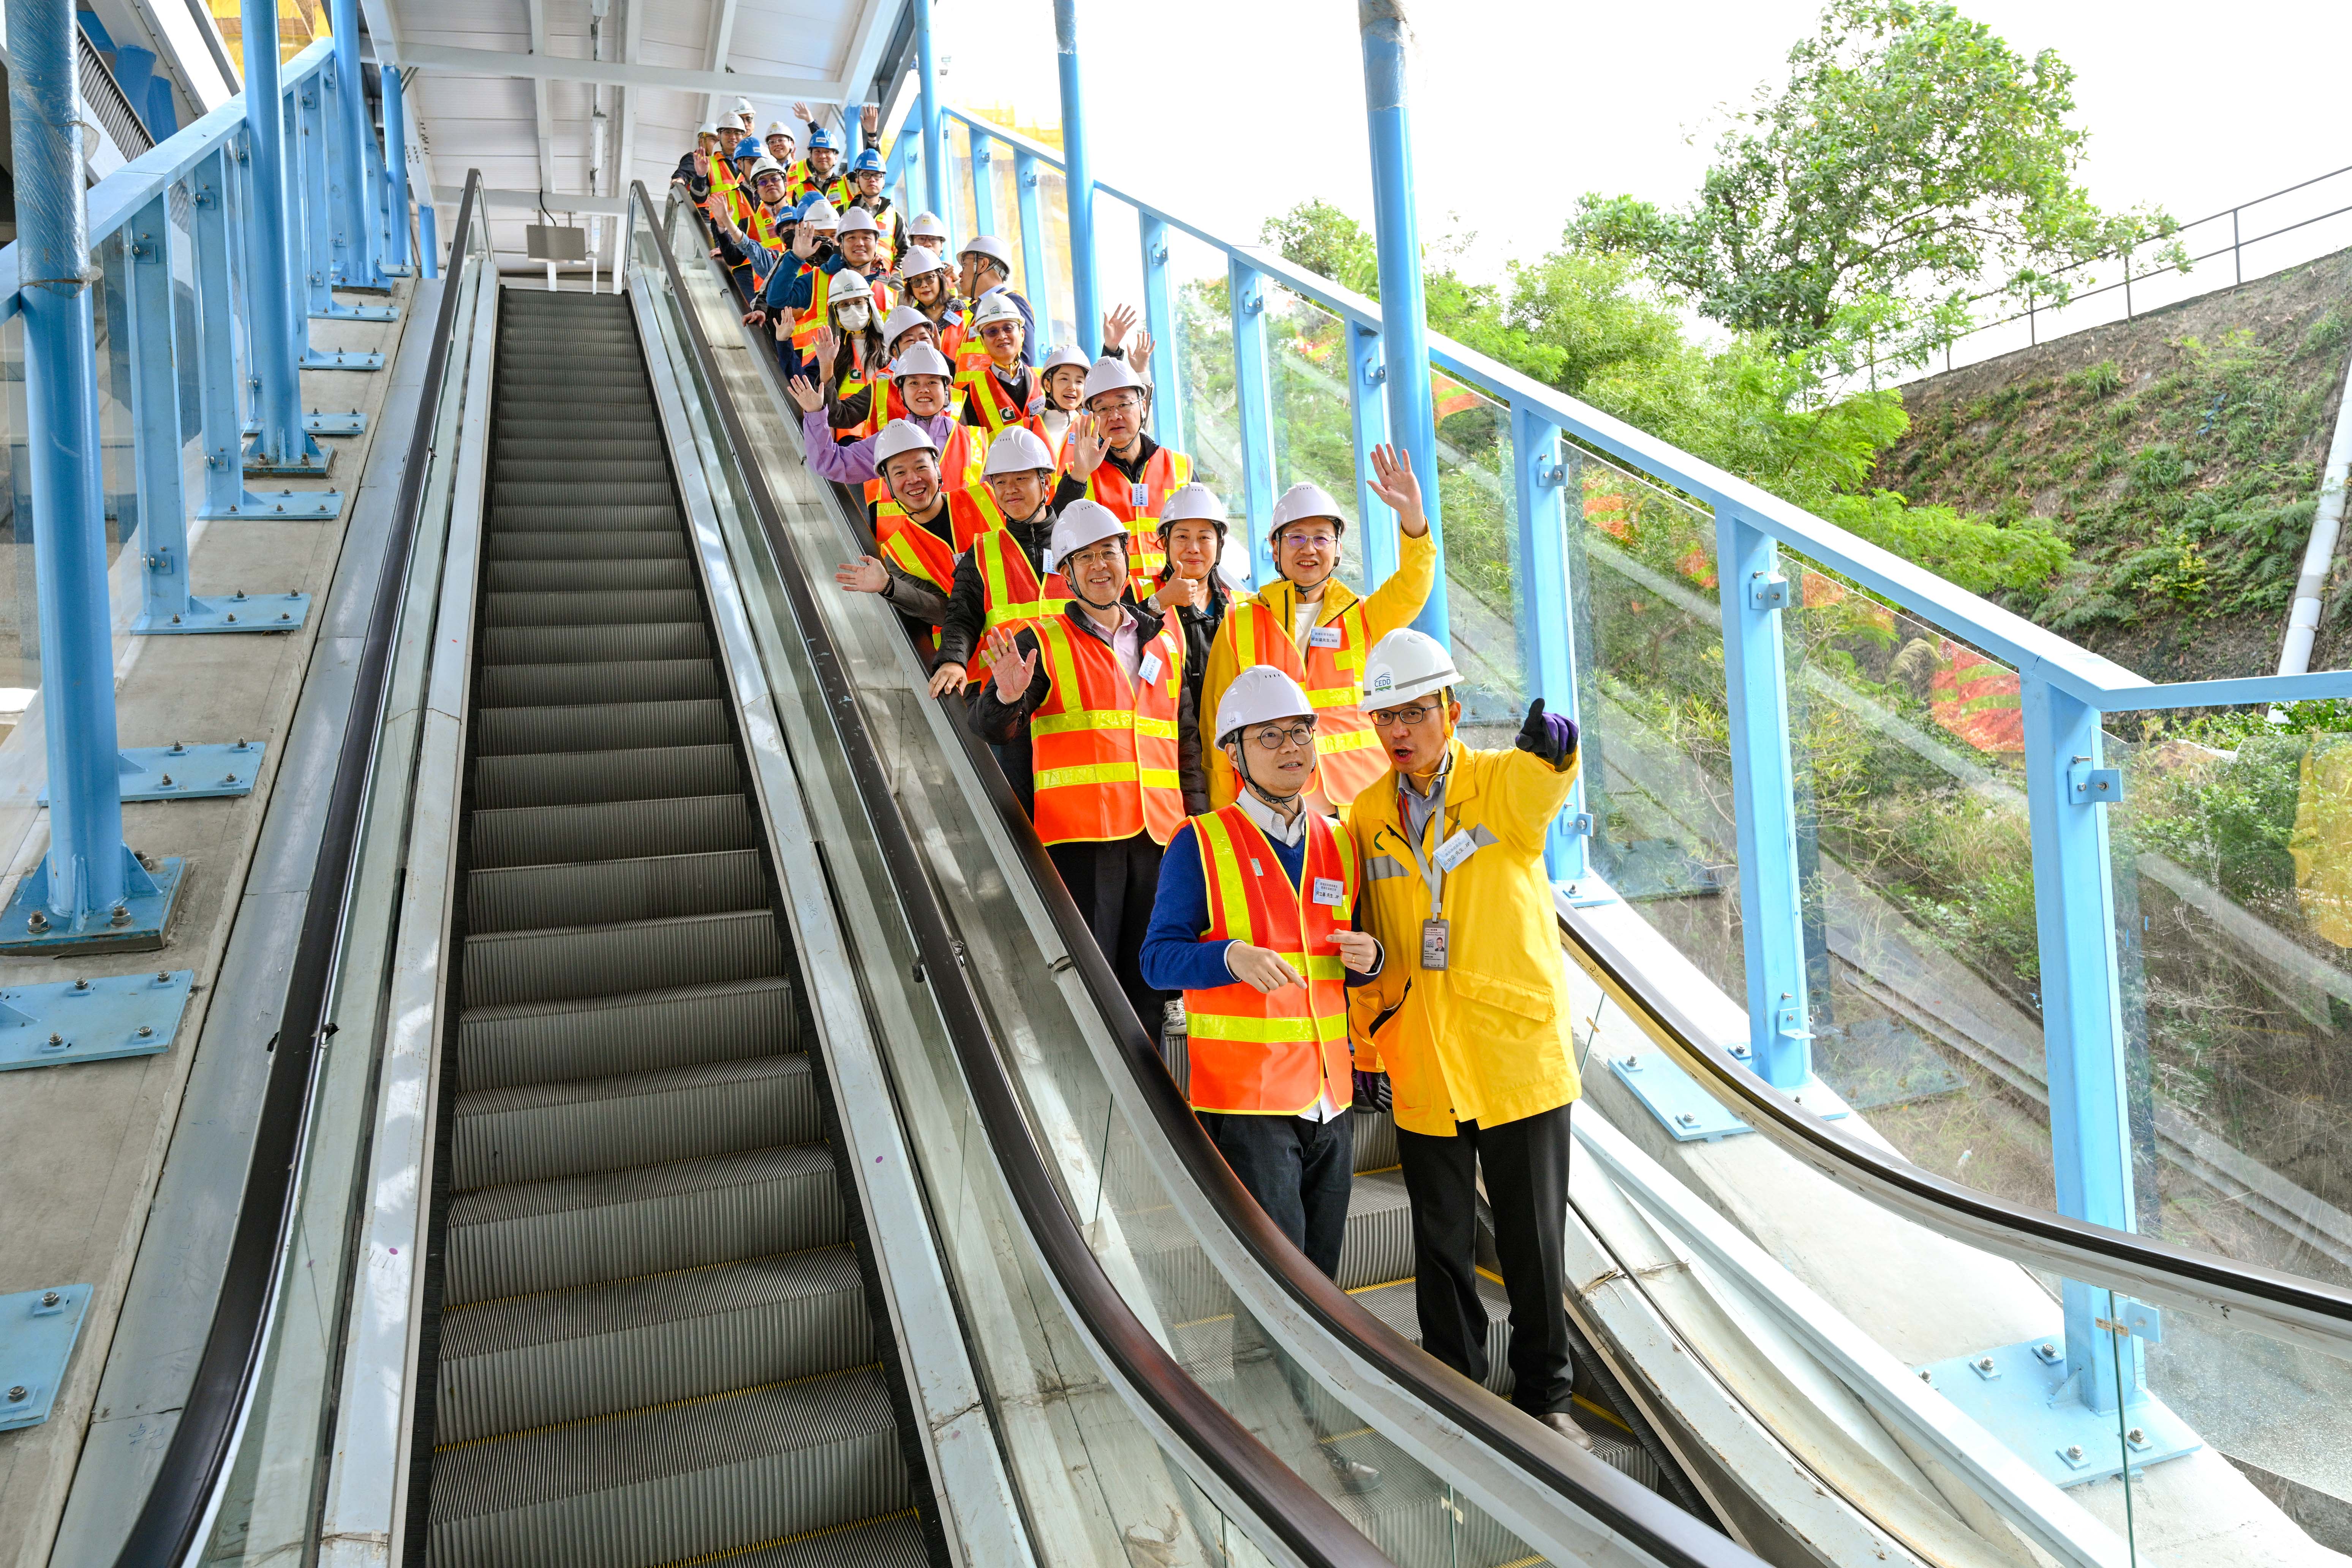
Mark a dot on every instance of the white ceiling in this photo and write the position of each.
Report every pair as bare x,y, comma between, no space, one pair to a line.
494,85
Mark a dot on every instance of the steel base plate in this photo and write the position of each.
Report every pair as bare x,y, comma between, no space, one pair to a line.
1687,1112
342,359
311,465
92,1020
238,612
281,506
340,311
319,422
181,771
2025,1399
37,1331
146,916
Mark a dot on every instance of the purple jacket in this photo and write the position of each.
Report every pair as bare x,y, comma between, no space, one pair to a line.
854,464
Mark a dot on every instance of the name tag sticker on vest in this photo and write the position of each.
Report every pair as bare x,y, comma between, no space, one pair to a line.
1323,637
1329,891
1149,668
1432,945
1138,496
1456,850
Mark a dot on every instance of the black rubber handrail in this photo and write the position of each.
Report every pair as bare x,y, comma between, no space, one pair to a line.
194,1464
1306,1521
1584,1482
2091,1252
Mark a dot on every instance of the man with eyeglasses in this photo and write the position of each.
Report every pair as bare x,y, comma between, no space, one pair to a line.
1314,629
1469,1019
1098,690
1254,923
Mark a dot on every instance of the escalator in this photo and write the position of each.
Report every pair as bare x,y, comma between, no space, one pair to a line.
654,1340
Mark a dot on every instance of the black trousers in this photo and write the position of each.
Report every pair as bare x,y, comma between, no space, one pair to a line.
1526,1190
1298,1171
1114,884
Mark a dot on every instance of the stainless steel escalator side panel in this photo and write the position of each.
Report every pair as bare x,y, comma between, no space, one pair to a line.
980,1513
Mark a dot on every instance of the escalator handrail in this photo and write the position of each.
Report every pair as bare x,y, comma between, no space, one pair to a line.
1640,1517
1307,1523
2272,1301
196,1461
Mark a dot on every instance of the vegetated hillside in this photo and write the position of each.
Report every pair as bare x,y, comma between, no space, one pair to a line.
2178,454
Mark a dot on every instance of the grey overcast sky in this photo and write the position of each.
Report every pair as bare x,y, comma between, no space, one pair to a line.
1233,109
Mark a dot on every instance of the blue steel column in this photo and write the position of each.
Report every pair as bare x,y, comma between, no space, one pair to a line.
983,194
1252,409
395,161
1079,179
1033,247
1368,413
1547,648
281,444
1396,229
86,871
1771,921
928,106
350,205
429,238
1160,320
2082,1018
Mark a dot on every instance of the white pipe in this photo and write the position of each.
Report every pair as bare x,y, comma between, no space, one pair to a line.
2326,522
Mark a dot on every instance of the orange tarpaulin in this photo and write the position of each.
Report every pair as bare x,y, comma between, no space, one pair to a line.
1977,699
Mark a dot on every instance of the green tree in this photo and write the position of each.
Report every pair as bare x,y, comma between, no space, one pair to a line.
1913,159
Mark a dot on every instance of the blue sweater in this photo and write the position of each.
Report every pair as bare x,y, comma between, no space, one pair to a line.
1175,958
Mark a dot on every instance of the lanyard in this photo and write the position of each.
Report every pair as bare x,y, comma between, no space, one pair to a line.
1431,875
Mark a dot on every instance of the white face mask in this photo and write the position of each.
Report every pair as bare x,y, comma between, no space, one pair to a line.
854,315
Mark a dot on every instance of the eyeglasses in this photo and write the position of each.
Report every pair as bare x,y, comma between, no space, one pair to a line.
1383,717
1125,404
1277,737
1310,541
1109,552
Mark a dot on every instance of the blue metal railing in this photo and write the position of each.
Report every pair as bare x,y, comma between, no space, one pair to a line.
2064,689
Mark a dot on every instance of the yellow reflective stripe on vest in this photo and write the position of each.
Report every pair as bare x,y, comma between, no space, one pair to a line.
1332,697
1245,636
1102,719
1218,848
1106,772
1265,1031
1325,741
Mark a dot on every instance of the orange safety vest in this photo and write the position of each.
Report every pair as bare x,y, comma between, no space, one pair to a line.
854,380
799,184
1349,755
1102,746
917,550
987,397
1165,474
952,333
1274,1054
961,461
1011,595
805,324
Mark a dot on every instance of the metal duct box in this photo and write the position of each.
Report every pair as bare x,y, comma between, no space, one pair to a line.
548,242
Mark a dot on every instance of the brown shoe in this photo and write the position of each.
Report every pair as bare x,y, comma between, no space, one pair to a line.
1561,1422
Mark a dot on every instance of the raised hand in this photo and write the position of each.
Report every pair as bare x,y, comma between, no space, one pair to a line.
1394,482
1139,356
1011,669
946,678
868,575
805,392
827,347
1087,445
869,121
1116,324
801,114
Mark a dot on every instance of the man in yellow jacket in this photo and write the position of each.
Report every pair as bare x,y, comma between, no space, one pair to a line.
1469,1016
1316,629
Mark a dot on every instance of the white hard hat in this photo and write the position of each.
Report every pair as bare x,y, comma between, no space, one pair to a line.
778,128
928,223
902,436
921,360
1068,353
848,284
988,245
994,306
709,128
743,106
767,165
1301,501
1195,502
1405,665
819,214
1082,522
857,220
1016,450
905,318
919,261
1259,695
1108,374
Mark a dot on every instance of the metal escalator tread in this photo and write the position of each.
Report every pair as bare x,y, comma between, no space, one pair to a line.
656,1341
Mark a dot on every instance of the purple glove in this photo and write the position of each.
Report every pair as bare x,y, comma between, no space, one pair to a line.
1548,735
1371,1091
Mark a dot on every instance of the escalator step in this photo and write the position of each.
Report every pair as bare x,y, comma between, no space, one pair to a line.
611,443
533,1131
577,472
600,608
528,436
509,1365
631,680
586,1230
573,515
560,962
634,641
633,545
577,778
543,1042
1379,1247
576,576
548,492
601,727
1376,1141
614,830
676,1481
537,403
892,1542
599,892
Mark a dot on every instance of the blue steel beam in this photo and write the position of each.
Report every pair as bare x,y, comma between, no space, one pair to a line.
926,104
1160,320
1078,180
1369,414
282,443
1033,249
429,238
1396,234
1771,925
1252,409
1547,648
355,225
396,161
314,147
984,191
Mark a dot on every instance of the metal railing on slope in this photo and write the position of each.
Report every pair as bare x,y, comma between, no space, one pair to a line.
176,1507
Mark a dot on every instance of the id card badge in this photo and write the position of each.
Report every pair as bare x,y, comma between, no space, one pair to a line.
1138,496
1323,637
1432,945
1329,891
1149,668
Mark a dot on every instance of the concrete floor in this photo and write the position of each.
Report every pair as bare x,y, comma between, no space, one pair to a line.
83,1147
